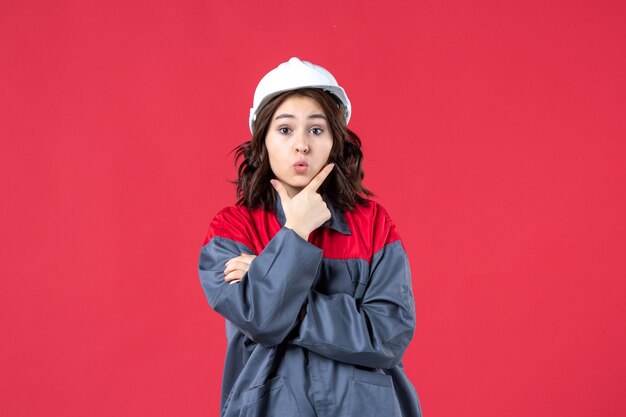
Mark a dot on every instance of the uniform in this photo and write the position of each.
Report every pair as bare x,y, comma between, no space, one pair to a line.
317,327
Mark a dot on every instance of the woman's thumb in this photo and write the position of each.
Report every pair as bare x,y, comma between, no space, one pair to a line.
280,189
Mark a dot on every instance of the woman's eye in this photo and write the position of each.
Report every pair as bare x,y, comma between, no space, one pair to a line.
284,130
317,131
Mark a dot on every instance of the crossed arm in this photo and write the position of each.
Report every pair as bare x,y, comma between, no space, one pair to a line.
264,295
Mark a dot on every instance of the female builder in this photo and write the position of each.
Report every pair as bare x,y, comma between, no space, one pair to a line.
308,272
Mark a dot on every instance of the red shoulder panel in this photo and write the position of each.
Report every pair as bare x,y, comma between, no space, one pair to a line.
371,230
253,228
385,229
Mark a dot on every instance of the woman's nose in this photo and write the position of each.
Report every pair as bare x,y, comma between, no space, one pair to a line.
301,145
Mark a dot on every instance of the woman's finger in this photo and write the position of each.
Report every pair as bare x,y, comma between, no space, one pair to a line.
244,257
317,181
247,257
236,265
235,275
281,190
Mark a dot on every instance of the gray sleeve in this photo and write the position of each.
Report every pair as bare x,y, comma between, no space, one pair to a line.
264,305
374,327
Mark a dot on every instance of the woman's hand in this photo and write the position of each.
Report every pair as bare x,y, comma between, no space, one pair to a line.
237,267
306,211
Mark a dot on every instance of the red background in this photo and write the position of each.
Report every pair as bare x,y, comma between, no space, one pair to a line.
493,133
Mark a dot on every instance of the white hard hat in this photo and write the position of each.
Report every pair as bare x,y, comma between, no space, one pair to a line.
293,75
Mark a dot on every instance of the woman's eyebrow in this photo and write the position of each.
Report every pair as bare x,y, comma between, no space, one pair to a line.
291,116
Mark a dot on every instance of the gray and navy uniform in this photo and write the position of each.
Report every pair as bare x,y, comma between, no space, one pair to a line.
317,327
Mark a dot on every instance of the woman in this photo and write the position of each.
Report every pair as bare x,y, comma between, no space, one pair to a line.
308,272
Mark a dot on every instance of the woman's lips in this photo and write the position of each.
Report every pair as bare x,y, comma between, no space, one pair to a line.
301,166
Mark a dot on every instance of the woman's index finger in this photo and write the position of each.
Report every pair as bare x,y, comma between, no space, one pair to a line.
318,180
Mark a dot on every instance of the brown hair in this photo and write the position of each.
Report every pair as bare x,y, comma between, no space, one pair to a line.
343,186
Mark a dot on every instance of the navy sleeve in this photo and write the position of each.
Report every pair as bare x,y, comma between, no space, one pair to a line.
374,327
264,305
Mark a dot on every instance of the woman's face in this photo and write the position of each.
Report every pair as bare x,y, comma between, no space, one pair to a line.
298,142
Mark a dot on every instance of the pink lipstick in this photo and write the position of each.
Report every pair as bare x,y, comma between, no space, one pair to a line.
301,166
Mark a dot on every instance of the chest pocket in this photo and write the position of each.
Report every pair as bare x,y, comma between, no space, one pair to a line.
340,276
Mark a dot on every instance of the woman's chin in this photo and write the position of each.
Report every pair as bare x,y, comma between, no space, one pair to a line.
294,187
